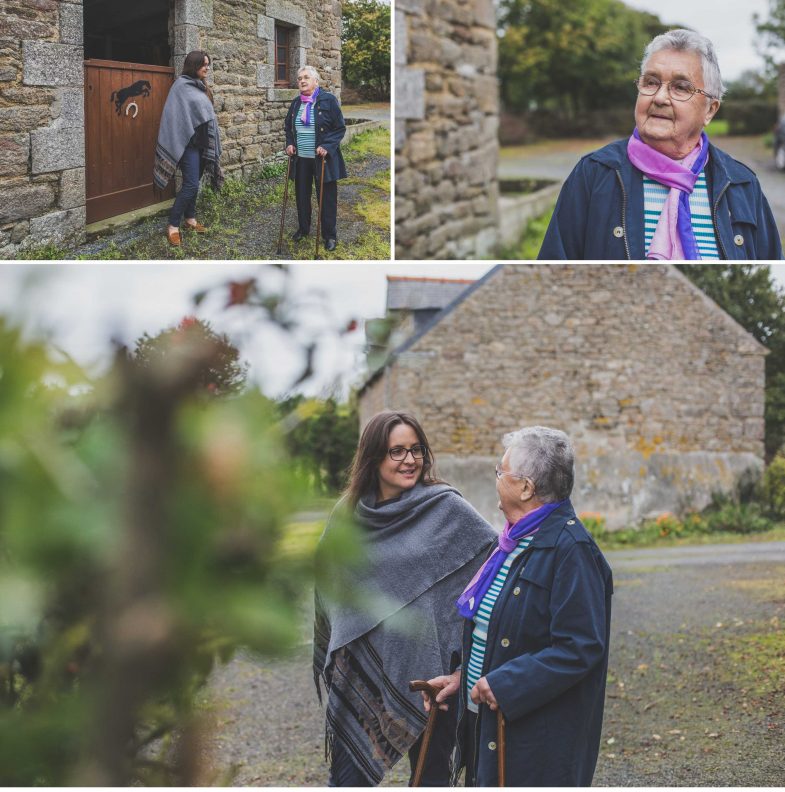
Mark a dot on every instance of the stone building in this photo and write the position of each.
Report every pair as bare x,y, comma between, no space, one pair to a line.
82,85
661,391
447,111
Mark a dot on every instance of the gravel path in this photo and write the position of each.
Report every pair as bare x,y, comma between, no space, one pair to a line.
695,694
247,226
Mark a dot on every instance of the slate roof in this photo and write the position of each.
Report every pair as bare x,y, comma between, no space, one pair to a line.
418,294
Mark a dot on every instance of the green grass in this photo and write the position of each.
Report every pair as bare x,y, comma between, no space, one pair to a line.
374,205
375,210
717,128
372,142
48,252
632,538
530,243
370,245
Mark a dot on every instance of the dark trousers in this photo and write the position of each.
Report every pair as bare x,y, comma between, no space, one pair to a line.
470,726
307,174
185,203
344,772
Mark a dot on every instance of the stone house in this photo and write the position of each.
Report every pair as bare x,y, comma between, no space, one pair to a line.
83,82
446,130
661,391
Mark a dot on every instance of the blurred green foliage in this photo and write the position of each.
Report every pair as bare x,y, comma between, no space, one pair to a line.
148,528
748,293
771,31
322,438
571,57
365,47
774,486
725,517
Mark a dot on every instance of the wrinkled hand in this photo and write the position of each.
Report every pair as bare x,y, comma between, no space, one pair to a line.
481,693
446,685
290,150
321,151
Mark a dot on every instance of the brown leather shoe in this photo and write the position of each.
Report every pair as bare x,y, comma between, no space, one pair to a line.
198,227
174,238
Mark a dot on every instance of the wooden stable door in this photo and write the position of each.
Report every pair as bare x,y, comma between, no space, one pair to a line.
123,106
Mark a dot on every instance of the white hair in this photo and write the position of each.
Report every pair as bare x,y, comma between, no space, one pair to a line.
546,457
690,41
309,70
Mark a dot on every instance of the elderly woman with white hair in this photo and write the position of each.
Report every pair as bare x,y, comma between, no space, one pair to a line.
666,193
314,128
537,629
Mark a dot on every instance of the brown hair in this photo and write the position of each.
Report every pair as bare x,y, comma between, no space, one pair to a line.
194,61
371,450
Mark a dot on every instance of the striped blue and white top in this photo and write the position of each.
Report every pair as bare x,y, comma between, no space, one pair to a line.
306,135
654,195
483,617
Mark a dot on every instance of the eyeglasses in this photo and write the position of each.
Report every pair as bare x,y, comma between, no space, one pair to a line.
500,473
680,90
399,453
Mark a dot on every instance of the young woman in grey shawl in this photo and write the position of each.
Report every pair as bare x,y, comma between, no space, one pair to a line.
188,137
423,543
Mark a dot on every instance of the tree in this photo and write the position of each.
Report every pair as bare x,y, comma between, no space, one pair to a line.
323,436
146,532
365,46
772,34
225,375
752,84
748,294
571,56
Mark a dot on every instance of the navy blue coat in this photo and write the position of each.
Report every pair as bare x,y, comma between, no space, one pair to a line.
546,661
599,214
330,129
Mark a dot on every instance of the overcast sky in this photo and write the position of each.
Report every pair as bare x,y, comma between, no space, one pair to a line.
728,23
80,307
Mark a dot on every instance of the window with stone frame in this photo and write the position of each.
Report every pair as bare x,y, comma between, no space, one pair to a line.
283,47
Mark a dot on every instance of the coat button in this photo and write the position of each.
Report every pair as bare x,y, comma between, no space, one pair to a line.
618,232
491,746
570,522
505,642
738,240
516,591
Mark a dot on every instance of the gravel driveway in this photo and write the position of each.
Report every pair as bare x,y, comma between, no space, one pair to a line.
695,694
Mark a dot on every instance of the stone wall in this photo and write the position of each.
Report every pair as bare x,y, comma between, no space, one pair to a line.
447,109
42,149
240,37
42,185
660,390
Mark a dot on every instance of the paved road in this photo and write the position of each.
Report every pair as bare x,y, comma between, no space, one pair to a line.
694,693
748,552
378,111
555,159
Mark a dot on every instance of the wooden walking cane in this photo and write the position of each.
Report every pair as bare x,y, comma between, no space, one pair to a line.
501,747
430,691
319,211
283,210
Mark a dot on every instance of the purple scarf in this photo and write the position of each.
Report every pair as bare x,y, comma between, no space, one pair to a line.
671,242
308,101
472,595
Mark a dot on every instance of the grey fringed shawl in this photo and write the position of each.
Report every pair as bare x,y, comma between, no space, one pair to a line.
422,550
187,107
